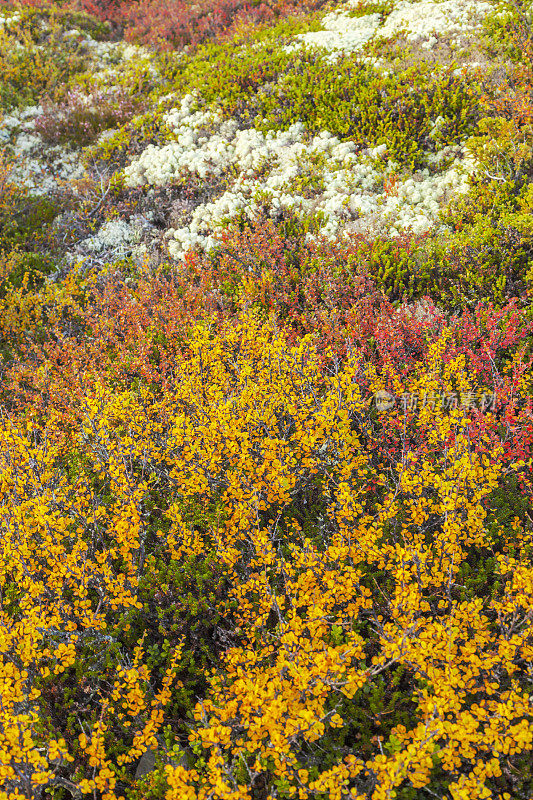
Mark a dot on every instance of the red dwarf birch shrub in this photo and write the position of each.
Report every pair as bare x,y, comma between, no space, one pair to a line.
174,24
178,23
321,287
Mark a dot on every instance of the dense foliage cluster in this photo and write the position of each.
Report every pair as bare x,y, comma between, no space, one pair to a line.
265,496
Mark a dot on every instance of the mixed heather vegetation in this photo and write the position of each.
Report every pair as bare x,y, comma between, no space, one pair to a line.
266,430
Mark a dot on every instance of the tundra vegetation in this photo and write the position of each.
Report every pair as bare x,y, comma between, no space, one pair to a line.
266,432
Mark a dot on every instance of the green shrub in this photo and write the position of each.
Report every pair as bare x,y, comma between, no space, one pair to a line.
264,86
33,61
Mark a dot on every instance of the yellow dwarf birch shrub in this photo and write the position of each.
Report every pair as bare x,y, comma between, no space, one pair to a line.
281,690
58,584
220,555
344,574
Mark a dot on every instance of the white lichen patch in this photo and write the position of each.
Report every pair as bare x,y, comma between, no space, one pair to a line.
8,19
37,166
112,61
421,22
238,172
117,239
340,32
352,200
189,153
116,235
311,175
43,168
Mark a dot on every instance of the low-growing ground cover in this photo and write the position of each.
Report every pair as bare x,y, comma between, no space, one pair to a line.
266,400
